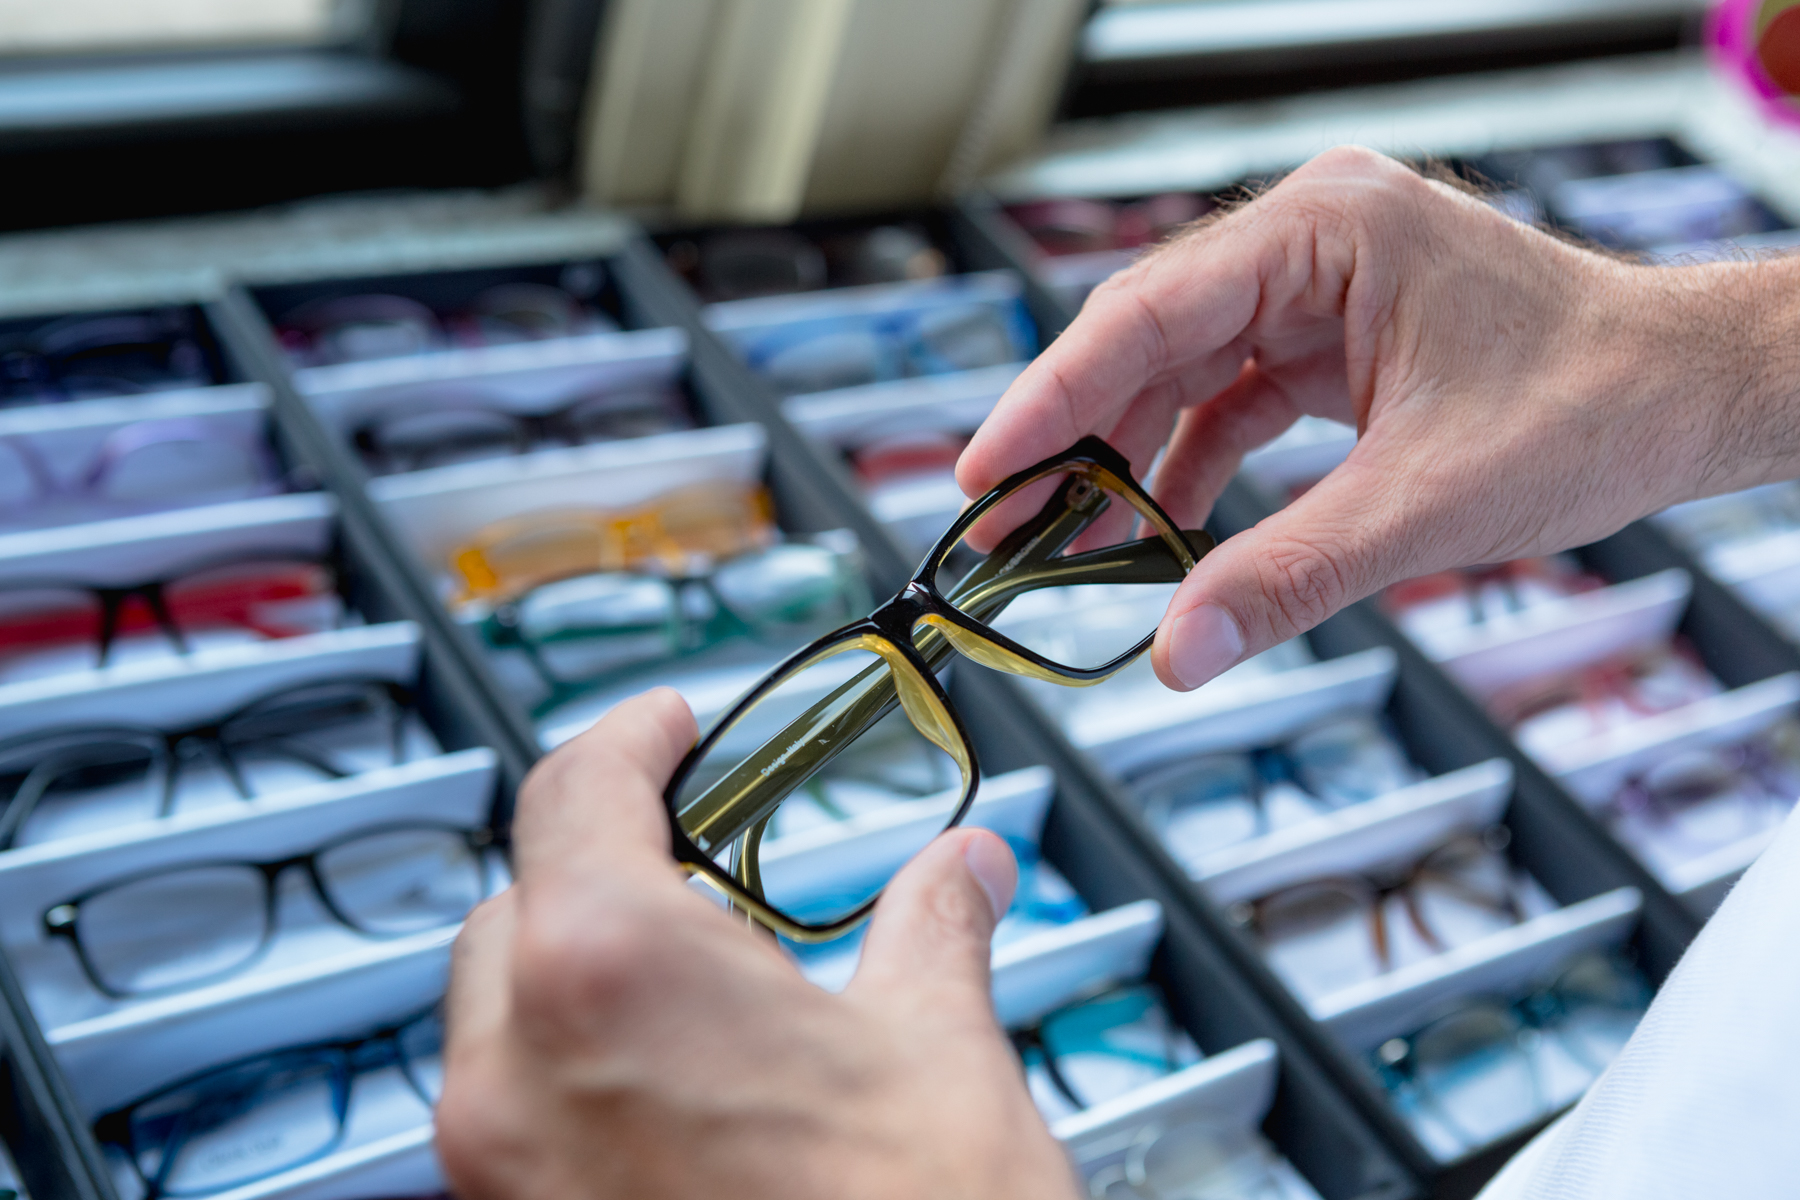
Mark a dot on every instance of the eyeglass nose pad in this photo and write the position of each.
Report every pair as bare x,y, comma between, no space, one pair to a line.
927,714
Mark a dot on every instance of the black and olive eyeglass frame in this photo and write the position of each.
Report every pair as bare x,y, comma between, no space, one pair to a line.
910,638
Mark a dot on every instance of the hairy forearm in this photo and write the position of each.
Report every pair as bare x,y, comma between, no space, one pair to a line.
1721,358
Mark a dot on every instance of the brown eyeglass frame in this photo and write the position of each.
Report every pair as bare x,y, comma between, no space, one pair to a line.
1372,892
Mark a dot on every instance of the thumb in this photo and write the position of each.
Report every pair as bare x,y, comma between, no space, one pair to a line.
934,924
1329,548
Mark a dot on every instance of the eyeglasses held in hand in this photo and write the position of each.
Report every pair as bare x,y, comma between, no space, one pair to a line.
461,427
115,354
140,767
273,597
236,1124
1329,933
1480,1070
711,520
1211,801
146,464
578,631
181,927
885,667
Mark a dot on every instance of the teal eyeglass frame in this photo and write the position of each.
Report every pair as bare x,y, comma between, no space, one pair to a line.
913,635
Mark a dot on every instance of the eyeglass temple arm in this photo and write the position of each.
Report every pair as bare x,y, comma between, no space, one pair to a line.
757,786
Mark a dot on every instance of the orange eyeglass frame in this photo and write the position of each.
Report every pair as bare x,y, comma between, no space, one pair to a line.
716,519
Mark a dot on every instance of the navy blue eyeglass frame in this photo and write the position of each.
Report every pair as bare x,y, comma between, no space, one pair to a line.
345,1059
72,356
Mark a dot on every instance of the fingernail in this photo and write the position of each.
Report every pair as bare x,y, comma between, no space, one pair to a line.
991,862
1204,642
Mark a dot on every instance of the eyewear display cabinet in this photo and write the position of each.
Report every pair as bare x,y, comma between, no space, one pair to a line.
410,396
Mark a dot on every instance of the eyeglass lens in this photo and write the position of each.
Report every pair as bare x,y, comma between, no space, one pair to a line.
1082,626
1475,1068
1703,800
737,784
65,783
117,354
240,1125
1490,1068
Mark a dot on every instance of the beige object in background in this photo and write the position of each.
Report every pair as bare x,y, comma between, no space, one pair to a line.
760,110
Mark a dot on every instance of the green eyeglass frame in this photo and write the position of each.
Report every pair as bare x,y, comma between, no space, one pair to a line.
913,635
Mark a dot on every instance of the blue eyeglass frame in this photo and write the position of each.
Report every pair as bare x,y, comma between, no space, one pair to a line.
344,1059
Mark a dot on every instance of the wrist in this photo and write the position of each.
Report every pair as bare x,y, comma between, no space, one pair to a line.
1720,353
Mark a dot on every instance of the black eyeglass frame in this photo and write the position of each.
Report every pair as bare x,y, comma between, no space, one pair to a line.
63,919
525,431
1023,560
166,746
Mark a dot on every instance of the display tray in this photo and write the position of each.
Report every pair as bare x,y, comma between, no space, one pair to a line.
1087,838
61,1040
1308,1123
886,338
1325,1113
1603,894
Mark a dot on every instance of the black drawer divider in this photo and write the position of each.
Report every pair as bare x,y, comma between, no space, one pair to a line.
55,1154
391,578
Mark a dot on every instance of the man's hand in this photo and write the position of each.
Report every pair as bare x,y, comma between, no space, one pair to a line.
1515,394
614,1033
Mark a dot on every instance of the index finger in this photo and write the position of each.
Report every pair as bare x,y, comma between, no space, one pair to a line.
1172,315
1175,329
